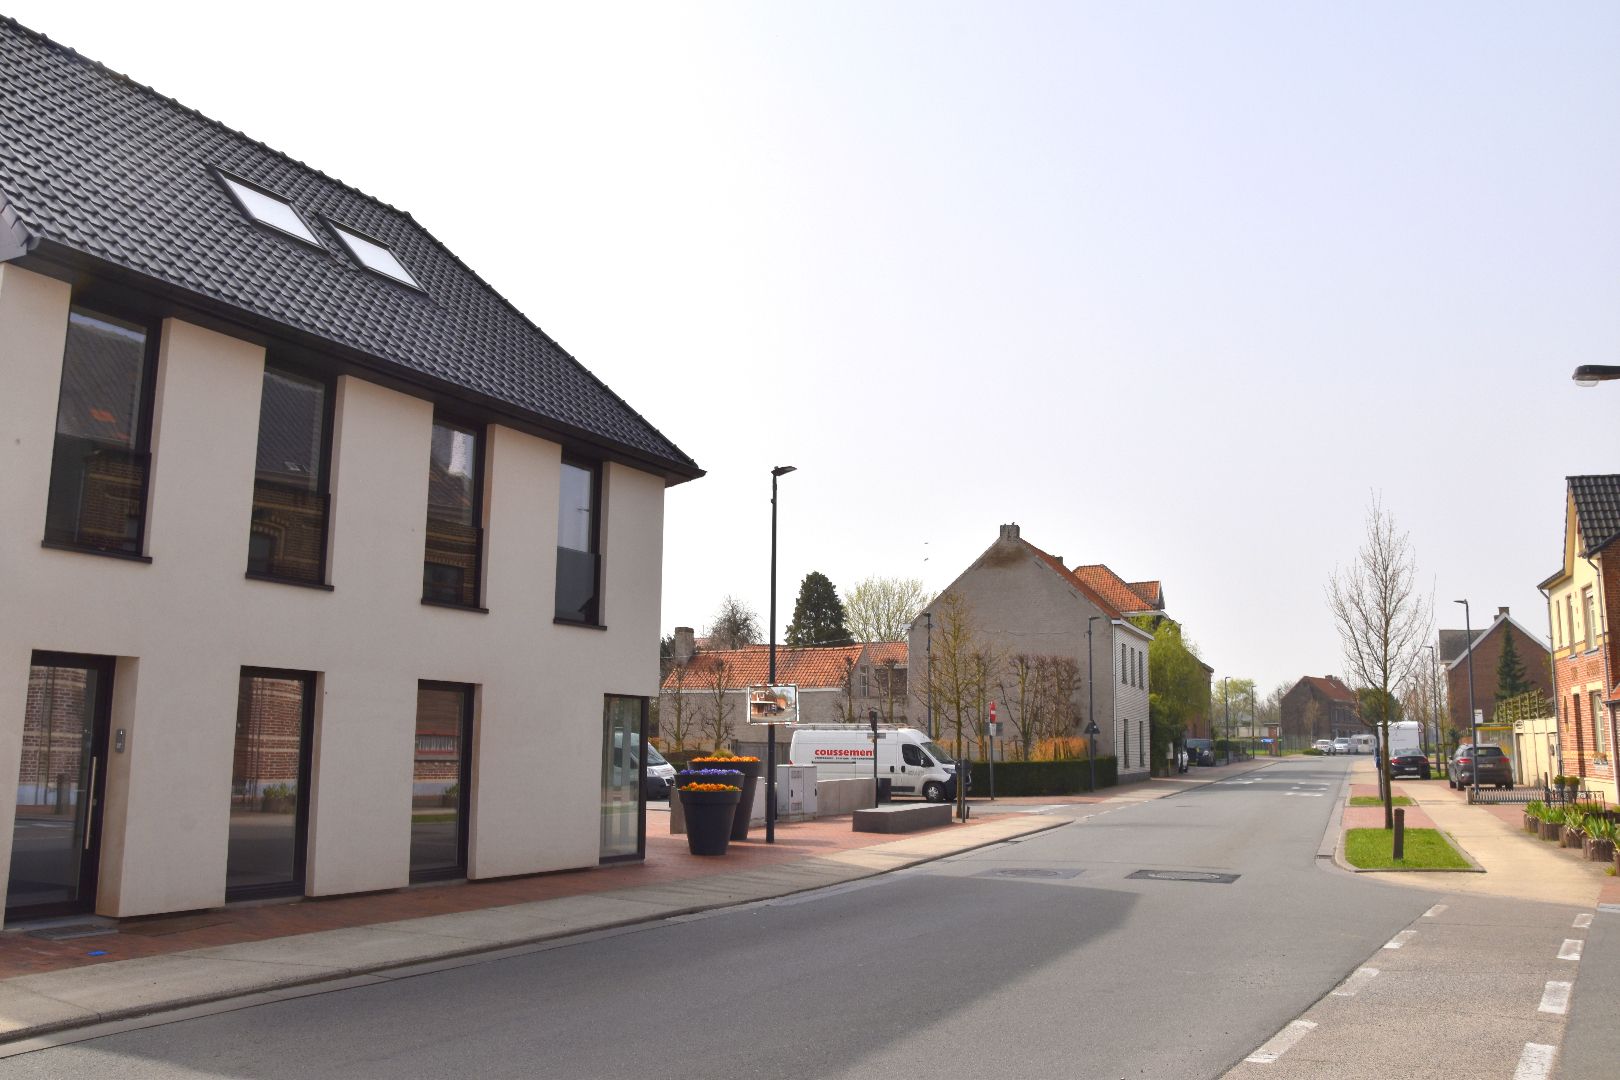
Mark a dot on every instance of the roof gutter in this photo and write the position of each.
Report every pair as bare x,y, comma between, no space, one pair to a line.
15,240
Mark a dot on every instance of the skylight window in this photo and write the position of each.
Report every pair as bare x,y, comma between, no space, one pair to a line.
375,256
270,210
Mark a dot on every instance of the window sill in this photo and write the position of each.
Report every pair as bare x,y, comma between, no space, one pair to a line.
251,576
455,607
581,625
57,545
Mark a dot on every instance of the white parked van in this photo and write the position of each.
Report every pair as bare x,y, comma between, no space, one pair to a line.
911,763
1405,737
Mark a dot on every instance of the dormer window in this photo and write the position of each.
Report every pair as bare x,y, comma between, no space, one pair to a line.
374,255
268,209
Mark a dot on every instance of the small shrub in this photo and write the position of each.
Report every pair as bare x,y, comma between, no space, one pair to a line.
1536,809
1600,828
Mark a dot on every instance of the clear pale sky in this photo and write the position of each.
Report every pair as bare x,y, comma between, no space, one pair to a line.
1173,286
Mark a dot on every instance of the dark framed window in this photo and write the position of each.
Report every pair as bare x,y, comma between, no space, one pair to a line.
579,563
441,780
452,566
101,464
287,536
270,773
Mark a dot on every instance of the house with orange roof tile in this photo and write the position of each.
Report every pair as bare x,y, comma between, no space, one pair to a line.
1021,600
837,684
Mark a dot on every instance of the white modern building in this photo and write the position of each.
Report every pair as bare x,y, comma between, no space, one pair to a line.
323,569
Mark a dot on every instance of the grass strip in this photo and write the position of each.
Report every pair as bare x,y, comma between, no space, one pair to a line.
1373,800
1426,849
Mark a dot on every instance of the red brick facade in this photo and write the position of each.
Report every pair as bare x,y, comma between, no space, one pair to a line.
1487,654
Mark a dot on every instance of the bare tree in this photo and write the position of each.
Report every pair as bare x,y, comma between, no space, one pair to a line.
892,684
734,625
955,689
1020,697
675,711
714,714
1060,705
1382,622
883,608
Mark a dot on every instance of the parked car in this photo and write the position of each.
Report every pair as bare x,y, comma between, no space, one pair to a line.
1494,766
1409,765
1341,746
1200,752
1324,745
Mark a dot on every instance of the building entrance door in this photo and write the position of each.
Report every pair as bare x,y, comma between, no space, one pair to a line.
624,778
56,838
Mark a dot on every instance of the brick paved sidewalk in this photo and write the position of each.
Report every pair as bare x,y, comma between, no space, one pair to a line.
1372,817
667,861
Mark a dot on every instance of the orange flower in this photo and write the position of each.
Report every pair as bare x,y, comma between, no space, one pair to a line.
710,787
721,760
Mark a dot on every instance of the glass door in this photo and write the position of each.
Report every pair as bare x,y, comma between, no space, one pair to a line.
56,838
270,784
440,780
624,778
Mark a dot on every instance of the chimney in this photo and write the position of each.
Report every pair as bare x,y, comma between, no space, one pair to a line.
1501,613
1009,532
685,645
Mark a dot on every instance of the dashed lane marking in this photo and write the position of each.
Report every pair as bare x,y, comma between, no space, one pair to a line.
1583,922
1400,939
1306,794
1536,1062
1571,949
1358,979
1555,998
1434,912
1280,1043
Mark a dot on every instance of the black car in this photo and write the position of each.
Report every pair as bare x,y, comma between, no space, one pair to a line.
1495,767
1409,765
1200,752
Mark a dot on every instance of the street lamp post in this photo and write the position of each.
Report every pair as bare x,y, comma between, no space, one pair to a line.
1091,706
770,678
1473,717
1435,711
1226,701
928,620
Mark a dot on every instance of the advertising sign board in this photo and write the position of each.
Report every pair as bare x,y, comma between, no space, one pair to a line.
773,704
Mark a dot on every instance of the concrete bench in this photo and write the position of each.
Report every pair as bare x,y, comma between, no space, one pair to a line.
899,818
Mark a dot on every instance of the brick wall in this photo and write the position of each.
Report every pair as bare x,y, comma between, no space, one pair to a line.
1487,654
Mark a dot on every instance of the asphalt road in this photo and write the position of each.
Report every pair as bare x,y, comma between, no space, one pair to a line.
1040,958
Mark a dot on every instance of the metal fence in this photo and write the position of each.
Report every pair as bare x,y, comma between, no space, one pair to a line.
1523,794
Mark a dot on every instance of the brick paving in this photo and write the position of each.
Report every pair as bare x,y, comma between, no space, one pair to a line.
1372,817
667,860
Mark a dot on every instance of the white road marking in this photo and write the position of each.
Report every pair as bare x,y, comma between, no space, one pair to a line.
1571,949
1555,999
1281,1043
1536,1062
1434,912
1307,794
1400,939
1359,978
1583,922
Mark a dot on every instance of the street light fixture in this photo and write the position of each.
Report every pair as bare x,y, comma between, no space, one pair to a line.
770,678
1473,717
1591,374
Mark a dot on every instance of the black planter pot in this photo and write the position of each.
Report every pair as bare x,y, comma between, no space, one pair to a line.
708,819
751,772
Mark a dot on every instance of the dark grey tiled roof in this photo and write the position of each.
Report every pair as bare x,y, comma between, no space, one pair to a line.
1453,643
94,164
1597,509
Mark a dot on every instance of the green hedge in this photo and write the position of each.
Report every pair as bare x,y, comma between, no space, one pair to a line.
1043,777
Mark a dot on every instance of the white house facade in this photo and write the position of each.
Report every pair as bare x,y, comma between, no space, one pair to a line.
317,556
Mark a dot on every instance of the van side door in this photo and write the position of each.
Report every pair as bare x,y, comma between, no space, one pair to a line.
912,765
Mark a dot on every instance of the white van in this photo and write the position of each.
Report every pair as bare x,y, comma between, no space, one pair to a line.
1405,737
1363,744
912,764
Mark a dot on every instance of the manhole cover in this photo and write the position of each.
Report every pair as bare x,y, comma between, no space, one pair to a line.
1186,875
1030,872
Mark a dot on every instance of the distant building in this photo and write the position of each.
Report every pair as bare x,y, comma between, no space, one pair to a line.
1318,707
1454,650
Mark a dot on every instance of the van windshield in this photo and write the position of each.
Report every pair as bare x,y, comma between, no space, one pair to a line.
940,757
654,757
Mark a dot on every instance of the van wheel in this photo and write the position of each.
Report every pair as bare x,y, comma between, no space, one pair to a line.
934,791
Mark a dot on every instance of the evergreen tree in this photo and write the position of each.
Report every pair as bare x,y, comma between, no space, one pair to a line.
1510,676
818,614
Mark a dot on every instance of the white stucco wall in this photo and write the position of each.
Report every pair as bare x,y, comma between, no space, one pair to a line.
1131,700
184,625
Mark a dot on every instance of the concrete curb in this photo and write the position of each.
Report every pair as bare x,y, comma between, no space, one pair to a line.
27,1003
